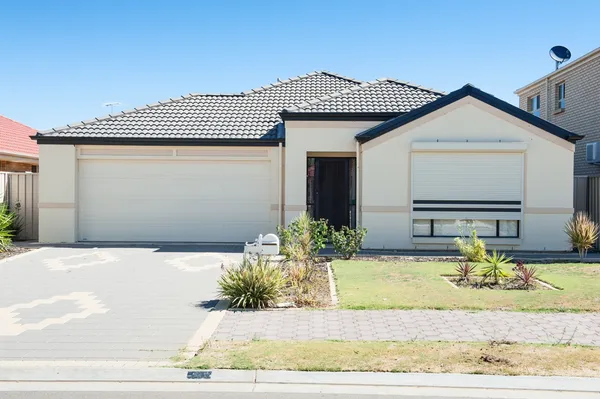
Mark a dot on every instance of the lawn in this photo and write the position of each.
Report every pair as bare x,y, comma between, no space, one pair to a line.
417,357
418,285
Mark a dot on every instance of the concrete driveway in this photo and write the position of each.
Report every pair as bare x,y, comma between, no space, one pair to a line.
107,303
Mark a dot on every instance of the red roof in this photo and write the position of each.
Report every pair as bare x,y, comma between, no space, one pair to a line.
14,137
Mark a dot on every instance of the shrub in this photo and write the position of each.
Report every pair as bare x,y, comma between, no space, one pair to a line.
494,267
465,270
304,237
252,285
525,275
347,241
582,233
472,247
8,222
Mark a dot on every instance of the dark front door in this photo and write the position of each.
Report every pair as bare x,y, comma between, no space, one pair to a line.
332,180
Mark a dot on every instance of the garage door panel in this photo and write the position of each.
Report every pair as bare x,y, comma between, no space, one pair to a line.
148,200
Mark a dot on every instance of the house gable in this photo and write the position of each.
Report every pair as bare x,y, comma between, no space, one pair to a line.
440,105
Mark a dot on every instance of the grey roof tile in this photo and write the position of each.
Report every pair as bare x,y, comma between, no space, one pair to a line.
252,114
381,95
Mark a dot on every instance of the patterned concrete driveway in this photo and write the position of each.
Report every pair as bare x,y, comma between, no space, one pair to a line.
106,303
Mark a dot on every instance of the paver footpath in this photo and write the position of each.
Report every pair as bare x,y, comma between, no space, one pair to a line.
407,325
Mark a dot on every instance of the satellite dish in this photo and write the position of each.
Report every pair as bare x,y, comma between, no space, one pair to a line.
560,54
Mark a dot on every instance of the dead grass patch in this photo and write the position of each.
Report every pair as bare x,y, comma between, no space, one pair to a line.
499,358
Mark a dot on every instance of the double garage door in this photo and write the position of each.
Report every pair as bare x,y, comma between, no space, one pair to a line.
173,200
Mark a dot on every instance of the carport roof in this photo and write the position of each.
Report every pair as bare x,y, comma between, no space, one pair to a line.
251,117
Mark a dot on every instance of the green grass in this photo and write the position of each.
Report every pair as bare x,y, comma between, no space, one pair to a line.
415,285
417,357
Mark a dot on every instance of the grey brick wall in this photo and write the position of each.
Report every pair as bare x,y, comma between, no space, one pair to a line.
582,109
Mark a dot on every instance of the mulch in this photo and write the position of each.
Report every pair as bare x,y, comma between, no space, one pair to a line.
12,251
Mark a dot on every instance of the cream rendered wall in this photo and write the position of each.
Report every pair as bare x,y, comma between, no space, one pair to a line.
386,176
57,193
59,178
302,137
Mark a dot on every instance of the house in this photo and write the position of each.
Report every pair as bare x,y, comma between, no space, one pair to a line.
17,152
570,98
414,166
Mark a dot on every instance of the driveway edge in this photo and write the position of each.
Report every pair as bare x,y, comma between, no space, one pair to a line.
22,255
207,329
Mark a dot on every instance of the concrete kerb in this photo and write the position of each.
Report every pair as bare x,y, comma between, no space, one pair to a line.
332,287
293,378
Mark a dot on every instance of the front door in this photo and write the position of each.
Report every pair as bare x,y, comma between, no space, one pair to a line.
332,183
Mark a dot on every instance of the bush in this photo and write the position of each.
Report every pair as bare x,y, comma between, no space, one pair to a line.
304,237
494,267
250,285
472,247
347,241
582,233
8,222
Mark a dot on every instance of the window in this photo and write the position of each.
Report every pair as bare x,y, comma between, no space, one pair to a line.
457,227
560,96
533,105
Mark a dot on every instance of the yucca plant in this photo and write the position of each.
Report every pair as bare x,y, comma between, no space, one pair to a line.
525,275
252,285
7,225
493,268
465,271
472,247
582,232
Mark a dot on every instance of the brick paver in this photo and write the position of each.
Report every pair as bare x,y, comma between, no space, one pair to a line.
407,325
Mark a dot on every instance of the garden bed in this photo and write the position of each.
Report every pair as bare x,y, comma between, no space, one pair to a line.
12,251
315,291
478,283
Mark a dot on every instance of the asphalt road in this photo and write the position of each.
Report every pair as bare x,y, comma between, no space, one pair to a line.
195,395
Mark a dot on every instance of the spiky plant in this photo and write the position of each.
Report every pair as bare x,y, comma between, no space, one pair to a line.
582,232
465,270
525,275
7,226
493,268
252,285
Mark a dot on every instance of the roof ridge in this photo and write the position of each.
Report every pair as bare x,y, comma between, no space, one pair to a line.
364,85
299,77
416,86
335,94
130,111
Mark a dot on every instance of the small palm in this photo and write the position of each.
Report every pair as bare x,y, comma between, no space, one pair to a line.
493,269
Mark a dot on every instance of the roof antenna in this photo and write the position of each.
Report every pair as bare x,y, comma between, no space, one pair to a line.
111,105
560,54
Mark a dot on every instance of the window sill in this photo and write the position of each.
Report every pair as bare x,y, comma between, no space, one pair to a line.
450,240
558,111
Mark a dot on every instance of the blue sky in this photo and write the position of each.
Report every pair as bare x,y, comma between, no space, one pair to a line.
61,60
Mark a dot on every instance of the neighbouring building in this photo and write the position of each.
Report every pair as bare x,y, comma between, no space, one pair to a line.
415,166
570,98
18,153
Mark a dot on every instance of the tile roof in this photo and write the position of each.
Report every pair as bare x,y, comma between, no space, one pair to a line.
382,95
250,115
15,137
253,114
